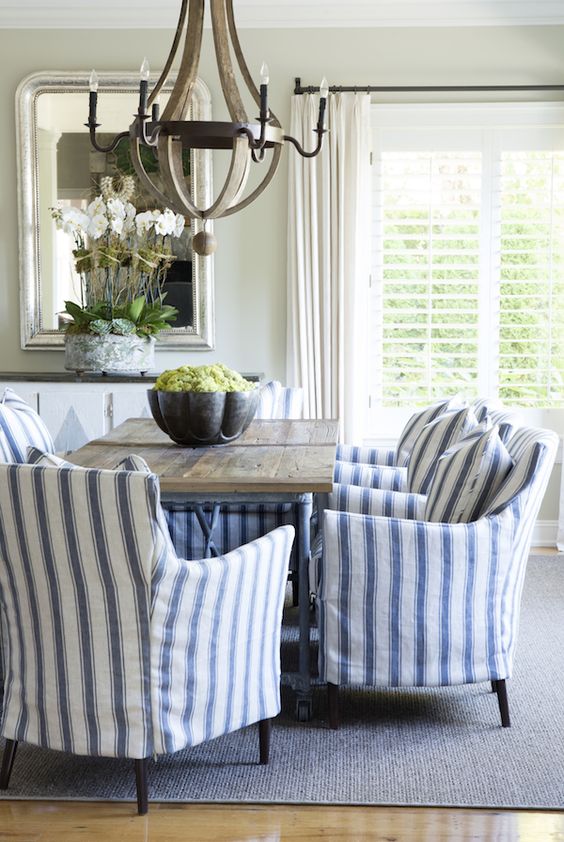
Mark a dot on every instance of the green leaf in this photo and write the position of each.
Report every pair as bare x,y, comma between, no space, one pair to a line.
135,309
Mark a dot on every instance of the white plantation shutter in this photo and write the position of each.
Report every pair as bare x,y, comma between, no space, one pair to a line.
531,332
428,270
467,287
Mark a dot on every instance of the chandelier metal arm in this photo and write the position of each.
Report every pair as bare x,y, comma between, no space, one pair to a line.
227,76
301,150
179,100
253,90
173,50
98,147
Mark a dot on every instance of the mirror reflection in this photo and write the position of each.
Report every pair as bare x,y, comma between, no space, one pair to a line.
65,172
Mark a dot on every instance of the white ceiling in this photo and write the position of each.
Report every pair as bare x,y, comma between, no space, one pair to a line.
111,14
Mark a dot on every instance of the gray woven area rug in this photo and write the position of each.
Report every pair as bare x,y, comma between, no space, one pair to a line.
414,747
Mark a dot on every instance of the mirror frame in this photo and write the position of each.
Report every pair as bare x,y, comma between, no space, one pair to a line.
201,335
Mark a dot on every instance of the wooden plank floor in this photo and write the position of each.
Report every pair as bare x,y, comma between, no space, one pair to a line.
36,821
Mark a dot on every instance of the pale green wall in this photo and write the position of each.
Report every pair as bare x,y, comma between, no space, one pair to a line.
250,267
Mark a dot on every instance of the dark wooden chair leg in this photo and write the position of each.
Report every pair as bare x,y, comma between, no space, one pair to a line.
333,704
141,783
7,762
501,690
494,686
295,589
265,730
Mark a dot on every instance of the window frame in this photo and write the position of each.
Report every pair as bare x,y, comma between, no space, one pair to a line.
494,127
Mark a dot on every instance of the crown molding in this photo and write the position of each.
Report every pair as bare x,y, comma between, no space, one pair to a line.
252,14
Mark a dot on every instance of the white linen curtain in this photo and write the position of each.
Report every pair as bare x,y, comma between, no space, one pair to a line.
329,247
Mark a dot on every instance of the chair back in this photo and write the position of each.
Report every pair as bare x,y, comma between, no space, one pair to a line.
77,548
533,451
20,428
278,401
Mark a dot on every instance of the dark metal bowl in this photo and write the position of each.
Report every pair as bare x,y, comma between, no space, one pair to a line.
196,419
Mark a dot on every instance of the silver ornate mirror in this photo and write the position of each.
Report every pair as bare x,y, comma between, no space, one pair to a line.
57,167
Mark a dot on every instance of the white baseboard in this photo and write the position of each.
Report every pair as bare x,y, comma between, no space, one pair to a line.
545,533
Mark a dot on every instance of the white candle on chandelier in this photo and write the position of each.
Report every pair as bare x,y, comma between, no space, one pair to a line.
93,82
323,94
264,92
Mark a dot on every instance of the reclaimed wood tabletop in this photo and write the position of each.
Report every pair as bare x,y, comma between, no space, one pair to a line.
289,456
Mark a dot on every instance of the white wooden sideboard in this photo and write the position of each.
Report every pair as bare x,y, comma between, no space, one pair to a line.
77,410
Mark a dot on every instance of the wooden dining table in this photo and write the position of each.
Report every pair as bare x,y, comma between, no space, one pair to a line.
273,461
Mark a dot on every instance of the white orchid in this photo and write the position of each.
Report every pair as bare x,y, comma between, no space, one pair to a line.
98,226
97,206
144,222
72,221
117,225
166,223
179,224
116,208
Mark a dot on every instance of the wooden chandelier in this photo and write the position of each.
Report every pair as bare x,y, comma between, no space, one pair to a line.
170,135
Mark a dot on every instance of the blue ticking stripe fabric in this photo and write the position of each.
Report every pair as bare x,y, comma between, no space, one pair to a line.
20,428
433,440
367,455
406,602
236,525
115,646
468,475
217,632
417,422
371,476
372,501
278,401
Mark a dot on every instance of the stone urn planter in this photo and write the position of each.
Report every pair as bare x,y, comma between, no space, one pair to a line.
88,352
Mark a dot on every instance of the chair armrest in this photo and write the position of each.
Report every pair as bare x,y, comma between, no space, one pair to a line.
367,455
375,501
386,478
406,602
215,641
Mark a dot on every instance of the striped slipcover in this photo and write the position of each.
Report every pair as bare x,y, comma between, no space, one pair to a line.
116,646
405,602
20,428
239,524
397,456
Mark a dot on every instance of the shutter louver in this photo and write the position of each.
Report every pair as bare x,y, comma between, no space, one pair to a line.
427,268
532,278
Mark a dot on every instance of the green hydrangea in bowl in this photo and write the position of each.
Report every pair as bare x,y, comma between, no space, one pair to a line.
203,405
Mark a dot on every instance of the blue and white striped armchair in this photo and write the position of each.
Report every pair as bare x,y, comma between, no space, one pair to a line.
115,646
402,601
386,468
20,428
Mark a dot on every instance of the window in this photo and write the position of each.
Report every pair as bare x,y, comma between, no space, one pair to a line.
467,286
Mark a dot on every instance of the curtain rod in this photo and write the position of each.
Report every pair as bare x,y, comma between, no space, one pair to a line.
369,89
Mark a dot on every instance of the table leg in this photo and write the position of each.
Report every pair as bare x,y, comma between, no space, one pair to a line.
208,528
303,688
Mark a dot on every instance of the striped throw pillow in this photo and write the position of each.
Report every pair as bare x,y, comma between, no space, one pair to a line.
46,460
415,425
433,440
20,428
467,477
